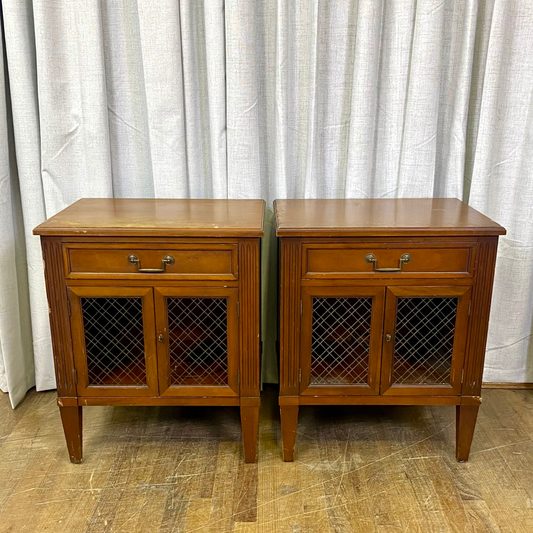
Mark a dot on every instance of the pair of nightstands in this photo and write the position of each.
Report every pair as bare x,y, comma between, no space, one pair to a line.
156,302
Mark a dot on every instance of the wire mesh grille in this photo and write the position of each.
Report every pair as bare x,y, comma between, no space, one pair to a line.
340,342
423,347
114,341
198,341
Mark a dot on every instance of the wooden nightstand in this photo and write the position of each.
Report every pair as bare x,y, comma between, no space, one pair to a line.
383,302
155,302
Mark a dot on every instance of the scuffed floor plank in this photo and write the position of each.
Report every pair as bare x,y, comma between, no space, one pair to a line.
357,469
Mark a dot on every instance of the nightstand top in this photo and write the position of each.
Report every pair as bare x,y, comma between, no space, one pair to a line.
380,217
157,217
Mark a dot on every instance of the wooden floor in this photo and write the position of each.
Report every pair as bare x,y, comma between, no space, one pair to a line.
366,469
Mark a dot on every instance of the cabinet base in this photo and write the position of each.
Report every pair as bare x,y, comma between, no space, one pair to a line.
148,401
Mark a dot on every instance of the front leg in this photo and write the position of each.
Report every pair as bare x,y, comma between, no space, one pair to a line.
71,416
466,416
289,422
250,427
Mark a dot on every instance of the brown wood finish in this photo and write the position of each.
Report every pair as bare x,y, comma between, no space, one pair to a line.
215,244
323,245
71,417
379,400
192,261
466,417
250,340
289,424
249,318
389,282
250,427
412,217
159,400
347,260
56,291
139,217
479,316
161,283
289,317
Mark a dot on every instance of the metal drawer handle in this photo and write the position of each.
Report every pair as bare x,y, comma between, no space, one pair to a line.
167,260
371,258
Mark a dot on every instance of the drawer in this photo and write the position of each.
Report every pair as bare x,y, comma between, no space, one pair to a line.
145,261
346,260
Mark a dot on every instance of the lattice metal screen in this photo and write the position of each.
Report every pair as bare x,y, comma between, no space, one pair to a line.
114,341
198,341
340,342
424,338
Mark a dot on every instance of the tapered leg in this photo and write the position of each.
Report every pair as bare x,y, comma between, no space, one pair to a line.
466,416
250,428
289,422
71,417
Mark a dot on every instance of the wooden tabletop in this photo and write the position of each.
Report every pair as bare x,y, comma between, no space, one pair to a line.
380,217
151,217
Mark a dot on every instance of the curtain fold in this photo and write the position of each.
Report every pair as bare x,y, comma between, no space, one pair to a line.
502,181
263,99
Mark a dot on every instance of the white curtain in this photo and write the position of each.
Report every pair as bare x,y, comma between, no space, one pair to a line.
270,99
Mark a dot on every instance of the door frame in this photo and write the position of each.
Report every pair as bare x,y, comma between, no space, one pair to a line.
463,295
74,295
163,356
371,387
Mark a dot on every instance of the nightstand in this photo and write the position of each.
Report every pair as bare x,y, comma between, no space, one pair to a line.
383,302
155,302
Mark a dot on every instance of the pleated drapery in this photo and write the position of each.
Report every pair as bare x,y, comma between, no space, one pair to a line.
263,99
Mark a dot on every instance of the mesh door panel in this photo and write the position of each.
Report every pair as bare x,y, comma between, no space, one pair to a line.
423,347
114,341
198,341
340,343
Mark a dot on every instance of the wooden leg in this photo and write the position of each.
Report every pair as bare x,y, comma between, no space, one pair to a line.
466,416
250,428
71,417
289,422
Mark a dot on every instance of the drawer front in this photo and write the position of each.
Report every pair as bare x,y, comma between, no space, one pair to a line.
383,260
176,261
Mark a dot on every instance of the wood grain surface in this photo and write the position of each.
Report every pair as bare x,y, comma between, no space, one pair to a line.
357,469
159,217
380,217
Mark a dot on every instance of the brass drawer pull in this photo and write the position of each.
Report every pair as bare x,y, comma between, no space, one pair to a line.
167,260
404,259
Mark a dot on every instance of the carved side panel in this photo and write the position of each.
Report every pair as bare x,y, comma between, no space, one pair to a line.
479,316
249,320
58,312
290,273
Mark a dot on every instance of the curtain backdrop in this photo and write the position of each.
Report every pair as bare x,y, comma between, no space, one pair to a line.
269,99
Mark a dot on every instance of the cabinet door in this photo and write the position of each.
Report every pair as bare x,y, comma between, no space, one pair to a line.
113,335
197,333
425,338
341,340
